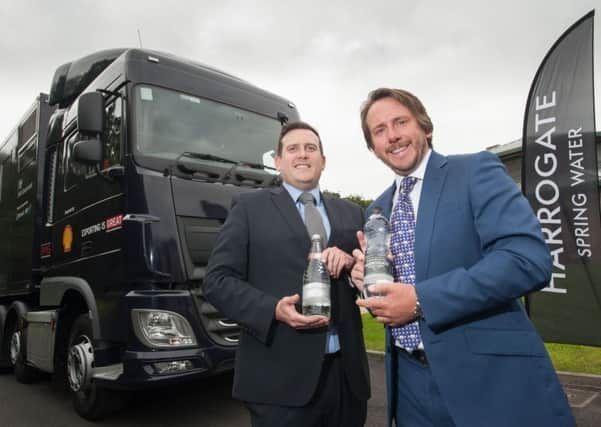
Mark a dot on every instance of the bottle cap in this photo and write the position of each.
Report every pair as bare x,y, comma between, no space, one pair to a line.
316,237
376,211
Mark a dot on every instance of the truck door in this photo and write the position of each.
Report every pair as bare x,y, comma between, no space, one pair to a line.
89,205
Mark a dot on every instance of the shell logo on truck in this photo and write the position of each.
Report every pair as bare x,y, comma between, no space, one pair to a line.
67,238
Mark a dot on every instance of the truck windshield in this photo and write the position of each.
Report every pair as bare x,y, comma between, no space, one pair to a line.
169,123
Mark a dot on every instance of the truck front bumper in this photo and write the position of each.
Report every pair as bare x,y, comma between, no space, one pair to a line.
137,365
141,369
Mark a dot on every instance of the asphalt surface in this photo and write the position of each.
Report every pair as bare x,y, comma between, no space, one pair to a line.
209,403
584,395
583,391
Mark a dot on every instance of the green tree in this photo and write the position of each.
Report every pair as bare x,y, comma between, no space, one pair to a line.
332,194
355,198
359,200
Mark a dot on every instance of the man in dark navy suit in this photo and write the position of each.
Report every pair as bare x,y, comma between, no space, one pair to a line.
292,370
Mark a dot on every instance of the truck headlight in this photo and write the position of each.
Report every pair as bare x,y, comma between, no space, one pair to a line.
162,329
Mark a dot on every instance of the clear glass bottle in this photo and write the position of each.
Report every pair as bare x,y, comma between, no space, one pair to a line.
316,283
378,265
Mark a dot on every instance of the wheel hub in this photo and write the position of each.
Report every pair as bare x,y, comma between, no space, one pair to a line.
15,347
79,365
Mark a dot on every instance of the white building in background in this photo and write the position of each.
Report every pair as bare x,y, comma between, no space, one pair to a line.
511,155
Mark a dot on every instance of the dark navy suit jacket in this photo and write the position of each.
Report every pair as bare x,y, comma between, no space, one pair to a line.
259,257
478,249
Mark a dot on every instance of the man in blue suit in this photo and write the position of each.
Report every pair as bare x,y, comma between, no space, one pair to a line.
460,349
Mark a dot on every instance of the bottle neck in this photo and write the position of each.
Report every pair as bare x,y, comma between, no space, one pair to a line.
316,246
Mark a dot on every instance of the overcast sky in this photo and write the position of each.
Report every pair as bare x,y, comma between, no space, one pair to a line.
470,61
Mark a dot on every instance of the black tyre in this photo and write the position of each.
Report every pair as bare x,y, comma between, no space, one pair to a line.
17,352
90,400
5,365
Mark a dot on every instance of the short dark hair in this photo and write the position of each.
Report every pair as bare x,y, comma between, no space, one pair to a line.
405,98
288,127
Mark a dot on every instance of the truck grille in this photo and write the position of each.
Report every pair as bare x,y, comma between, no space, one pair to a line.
220,329
198,237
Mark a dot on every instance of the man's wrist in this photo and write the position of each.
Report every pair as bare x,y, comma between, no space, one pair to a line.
417,310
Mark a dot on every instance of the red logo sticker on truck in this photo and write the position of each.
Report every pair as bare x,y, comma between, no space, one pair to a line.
46,250
110,224
114,223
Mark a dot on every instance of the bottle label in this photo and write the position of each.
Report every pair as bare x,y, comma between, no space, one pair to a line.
376,262
377,269
316,293
373,278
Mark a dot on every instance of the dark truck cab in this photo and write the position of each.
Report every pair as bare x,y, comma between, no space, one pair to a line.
118,195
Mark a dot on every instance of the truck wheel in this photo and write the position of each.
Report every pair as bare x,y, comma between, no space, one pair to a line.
5,365
18,353
90,400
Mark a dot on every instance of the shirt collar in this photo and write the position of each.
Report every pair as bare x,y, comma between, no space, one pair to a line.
418,173
295,193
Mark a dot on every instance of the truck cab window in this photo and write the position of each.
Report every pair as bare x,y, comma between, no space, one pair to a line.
75,172
112,136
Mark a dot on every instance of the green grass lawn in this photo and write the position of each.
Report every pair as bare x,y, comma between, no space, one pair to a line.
565,357
373,333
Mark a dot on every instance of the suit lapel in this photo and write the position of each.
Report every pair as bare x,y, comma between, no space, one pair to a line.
384,202
334,218
285,205
434,179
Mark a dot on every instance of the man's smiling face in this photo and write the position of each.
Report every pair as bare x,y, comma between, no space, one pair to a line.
301,160
398,140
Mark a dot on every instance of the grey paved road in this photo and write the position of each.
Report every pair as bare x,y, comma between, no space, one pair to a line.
208,404
198,404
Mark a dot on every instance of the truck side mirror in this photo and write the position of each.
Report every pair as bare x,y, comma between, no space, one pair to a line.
90,113
88,151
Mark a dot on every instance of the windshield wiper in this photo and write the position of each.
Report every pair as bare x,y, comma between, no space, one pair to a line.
204,166
203,156
241,173
212,157
256,165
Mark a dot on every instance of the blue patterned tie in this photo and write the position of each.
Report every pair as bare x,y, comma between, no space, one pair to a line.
402,223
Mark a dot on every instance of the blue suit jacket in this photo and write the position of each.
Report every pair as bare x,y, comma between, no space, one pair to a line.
479,248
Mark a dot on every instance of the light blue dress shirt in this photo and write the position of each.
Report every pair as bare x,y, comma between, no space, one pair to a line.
332,341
